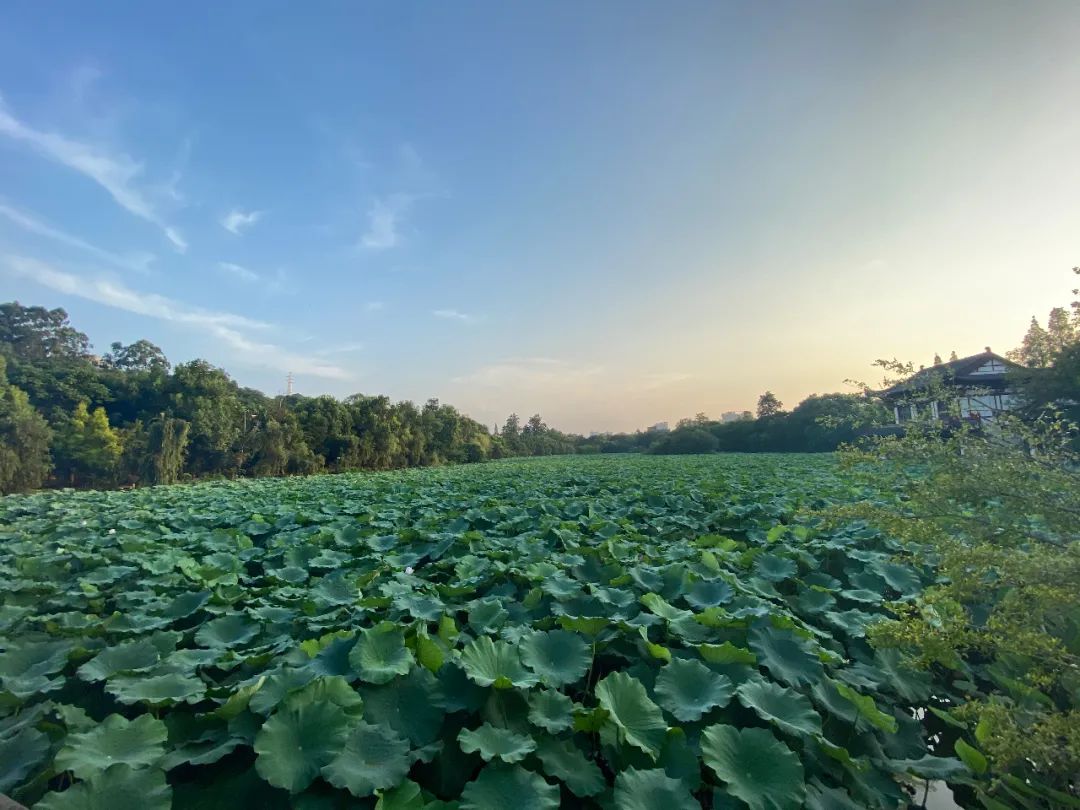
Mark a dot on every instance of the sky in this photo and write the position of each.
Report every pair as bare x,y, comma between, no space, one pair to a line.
613,213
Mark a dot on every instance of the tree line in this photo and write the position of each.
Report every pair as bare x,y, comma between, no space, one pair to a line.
72,418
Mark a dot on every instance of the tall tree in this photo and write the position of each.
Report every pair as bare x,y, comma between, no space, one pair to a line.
36,333
142,355
87,447
768,405
24,440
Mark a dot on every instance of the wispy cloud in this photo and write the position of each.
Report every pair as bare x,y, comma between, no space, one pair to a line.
384,219
531,373
344,348
116,173
226,327
374,306
453,315
138,262
236,220
239,271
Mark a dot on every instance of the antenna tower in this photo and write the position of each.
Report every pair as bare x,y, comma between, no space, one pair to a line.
288,384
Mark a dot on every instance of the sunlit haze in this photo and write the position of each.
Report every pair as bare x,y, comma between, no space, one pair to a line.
612,213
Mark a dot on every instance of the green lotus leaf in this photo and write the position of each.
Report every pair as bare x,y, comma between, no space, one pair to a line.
774,569
559,657
754,766
820,797
651,790
787,709
333,689
628,705
655,603
707,593
130,657
931,767
411,706
119,788
116,740
551,710
226,632
20,754
499,787
911,684
487,615
726,653
373,758
278,685
406,796
495,663
25,669
867,709
563,760
239,700
380,654
295,744
186,604
679,759
688,689
492,742
589,625
157,689
785,655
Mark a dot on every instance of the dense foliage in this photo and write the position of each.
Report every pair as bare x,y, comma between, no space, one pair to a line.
995,512
631,632
128,417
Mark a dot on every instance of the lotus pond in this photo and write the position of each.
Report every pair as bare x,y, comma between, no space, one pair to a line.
628,632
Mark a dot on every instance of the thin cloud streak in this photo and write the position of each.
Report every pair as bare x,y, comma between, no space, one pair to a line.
114,173
453,315
225,326
236,220
137,262
239,271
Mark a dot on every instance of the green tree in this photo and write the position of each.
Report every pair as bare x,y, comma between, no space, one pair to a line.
36,333
166,448
87,448
24,440
142,355
768,405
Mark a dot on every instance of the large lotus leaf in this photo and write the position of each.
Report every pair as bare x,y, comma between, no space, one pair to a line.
651,789
551,710
333,689
911,684
412,705
820,797
931,767
137,743
499,787
774,569
407,796
707,593
226,632
789,710
785,655
156,689
487,615
563,760
559,657
20,754
628,705
373,758
295,744
277,686
119,788
495,663
380,654
25,668
492,742
754,766
867,709
131,657
688,689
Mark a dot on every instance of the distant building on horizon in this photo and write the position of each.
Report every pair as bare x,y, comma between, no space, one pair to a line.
659,427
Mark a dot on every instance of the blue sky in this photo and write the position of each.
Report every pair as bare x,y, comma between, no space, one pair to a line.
613,213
